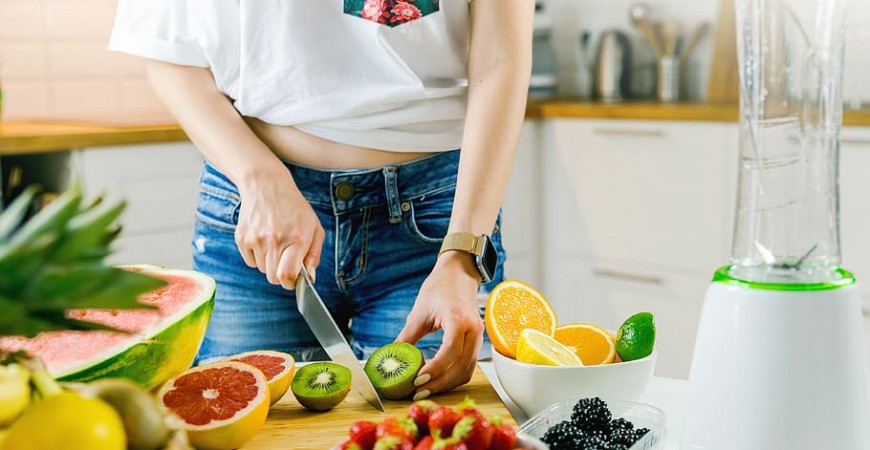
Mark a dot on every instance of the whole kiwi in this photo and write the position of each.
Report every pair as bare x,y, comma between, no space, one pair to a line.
321,386
393,368
143,420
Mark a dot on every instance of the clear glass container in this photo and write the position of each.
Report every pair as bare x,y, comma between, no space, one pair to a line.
639,414
791,71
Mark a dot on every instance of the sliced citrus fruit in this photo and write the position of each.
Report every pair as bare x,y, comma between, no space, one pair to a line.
535,347
223,404
512,307
593,344
277,366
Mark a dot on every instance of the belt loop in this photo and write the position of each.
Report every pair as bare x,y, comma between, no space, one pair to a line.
390,184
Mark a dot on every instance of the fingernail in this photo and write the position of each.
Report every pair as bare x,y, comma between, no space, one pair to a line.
312,274
422,379
421,395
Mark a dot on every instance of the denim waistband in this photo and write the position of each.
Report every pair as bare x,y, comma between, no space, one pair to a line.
348,190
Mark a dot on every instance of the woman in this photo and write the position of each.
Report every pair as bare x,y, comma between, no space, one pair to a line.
331,132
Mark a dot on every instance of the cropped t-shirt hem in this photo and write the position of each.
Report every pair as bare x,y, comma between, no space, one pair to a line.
147,47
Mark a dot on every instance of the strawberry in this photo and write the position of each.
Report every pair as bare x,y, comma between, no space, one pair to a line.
404,428
474,432
420,411
363,433
504,437
349,445
394,443
468,408
442,420
425,443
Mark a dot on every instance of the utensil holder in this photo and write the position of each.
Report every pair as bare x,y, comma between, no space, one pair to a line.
668,79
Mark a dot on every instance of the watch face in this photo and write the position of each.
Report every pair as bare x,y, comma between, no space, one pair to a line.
488,260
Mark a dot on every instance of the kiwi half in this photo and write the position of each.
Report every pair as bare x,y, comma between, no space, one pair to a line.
393,368
321,386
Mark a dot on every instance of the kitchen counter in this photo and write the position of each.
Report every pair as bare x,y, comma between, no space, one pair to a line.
24,137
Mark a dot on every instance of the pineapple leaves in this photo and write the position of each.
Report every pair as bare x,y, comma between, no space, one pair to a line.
14,214
53,263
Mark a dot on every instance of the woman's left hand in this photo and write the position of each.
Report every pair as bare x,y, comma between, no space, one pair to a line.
447,301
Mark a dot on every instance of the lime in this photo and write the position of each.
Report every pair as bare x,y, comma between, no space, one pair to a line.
636,337
68,421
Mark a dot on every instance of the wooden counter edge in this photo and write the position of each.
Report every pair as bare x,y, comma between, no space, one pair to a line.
48,137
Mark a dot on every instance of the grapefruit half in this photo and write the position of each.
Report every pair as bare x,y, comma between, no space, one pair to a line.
277,366
222,404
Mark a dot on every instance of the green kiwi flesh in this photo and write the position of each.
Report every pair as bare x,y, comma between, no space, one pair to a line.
393,368
321,386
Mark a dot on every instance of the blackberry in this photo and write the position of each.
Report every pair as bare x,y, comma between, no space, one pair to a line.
564,435
595,443
621,424
621,436
591,414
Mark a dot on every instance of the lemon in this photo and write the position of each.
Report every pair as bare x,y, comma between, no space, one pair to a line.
636,337
67,421
535,347
14,392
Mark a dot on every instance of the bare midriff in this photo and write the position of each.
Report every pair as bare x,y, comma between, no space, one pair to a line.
295,146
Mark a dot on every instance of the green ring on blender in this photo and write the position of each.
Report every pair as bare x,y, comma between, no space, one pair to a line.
723,275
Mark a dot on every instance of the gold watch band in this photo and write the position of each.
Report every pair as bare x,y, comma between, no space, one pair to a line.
466,242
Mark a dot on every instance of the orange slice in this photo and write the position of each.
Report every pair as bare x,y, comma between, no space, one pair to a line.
593,344
277,366
512,307
223,404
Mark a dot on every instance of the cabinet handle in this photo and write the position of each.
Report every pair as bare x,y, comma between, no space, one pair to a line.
628,132
855,141
619,275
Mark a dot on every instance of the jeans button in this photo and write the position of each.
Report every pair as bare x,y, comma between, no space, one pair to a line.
344,190
406,206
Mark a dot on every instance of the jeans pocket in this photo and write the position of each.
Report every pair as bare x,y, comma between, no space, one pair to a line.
218,206
429,216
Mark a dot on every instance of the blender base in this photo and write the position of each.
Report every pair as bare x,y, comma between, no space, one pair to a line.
779,369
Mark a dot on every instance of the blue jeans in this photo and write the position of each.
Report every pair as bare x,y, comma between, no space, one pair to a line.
384,228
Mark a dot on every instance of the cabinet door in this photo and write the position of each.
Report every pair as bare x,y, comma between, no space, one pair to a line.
167,249
606,294
158,181
521,209
644,192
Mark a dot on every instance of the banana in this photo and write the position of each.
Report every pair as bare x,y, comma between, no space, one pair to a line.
14,392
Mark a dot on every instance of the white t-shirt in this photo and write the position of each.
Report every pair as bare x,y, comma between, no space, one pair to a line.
384,74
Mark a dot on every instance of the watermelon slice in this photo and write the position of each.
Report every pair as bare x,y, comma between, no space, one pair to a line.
162,343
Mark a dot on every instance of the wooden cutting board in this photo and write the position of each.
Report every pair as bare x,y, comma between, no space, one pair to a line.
290,426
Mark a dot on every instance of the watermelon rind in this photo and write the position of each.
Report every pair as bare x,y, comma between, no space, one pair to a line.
155,355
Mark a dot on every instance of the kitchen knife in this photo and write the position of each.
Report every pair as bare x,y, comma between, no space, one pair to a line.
330,337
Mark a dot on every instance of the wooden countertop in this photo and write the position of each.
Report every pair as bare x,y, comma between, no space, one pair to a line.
23,137
37,137
289,426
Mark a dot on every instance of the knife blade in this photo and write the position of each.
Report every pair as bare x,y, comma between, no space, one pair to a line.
326,331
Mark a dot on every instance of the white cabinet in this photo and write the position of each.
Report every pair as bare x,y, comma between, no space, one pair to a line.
521,209
159,183
637,216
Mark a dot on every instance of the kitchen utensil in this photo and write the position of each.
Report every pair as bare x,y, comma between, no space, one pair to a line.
542,82
533,388
779,359
648,31
698,33
671,30
639,12
668,79
613,66
326,331
639,414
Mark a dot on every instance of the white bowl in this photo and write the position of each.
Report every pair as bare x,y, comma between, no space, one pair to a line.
534,388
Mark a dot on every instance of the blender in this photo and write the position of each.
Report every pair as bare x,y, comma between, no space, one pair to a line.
779,361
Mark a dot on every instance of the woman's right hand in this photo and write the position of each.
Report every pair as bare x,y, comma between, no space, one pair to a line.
278,230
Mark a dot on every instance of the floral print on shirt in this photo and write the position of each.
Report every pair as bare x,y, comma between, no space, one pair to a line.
391,13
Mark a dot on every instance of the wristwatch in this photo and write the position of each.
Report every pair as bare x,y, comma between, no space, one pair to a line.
485,256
